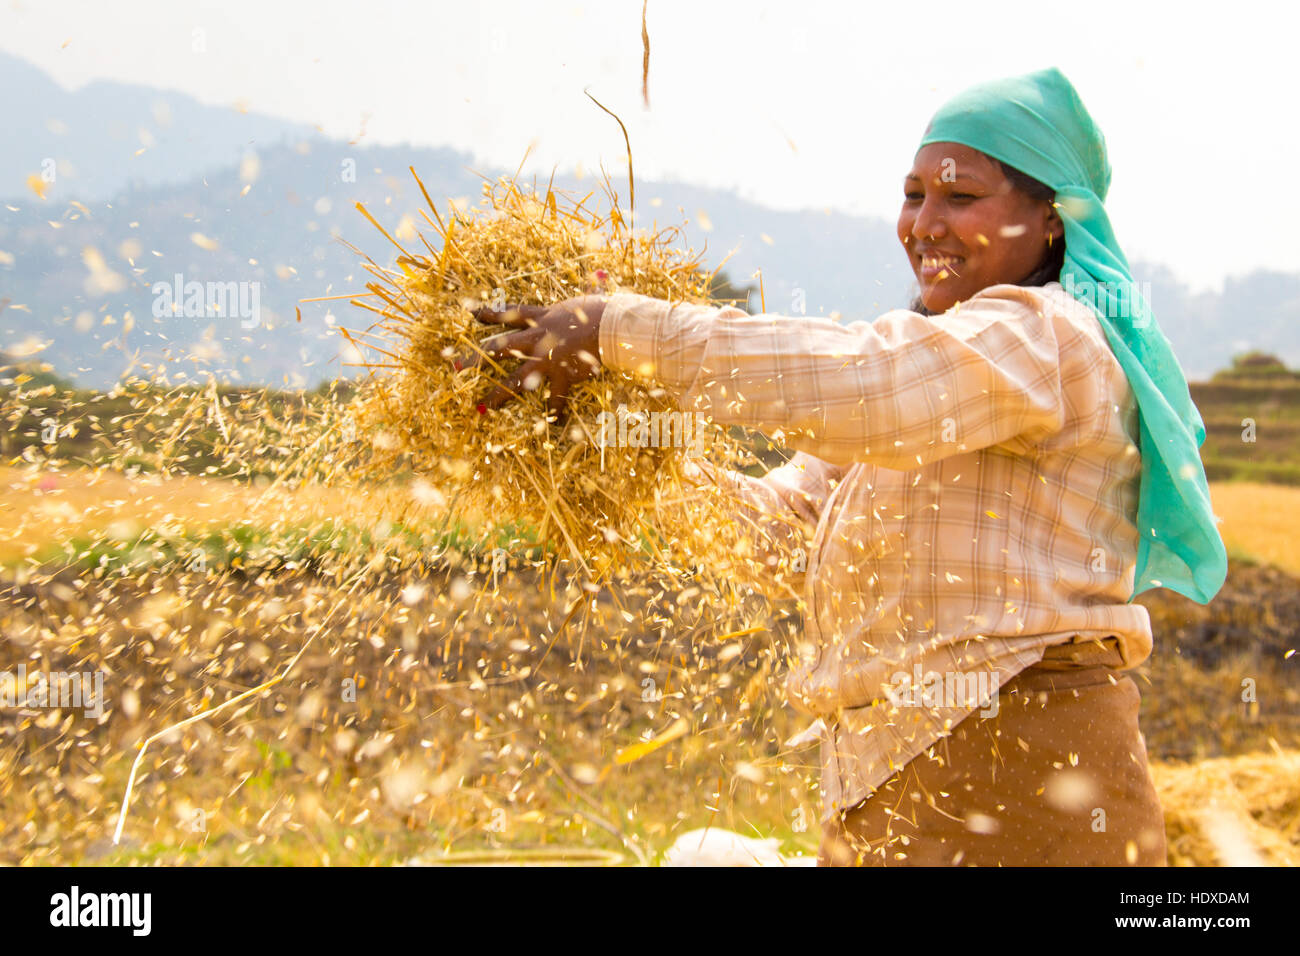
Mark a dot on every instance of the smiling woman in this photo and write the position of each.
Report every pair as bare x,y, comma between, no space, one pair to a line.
981,196
988,479
966,225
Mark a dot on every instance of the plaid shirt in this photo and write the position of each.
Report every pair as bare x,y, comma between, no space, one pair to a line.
967,481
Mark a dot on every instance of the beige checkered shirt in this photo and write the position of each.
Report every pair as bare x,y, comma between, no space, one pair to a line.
967,483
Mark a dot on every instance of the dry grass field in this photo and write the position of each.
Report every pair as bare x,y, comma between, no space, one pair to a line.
42,510
459,708
1262,521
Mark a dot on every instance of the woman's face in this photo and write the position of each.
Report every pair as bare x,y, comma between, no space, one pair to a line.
966,227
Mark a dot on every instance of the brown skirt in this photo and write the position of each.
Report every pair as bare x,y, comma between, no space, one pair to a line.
1058,777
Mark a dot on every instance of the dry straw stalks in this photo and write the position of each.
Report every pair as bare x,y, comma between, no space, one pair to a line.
603,507
599,509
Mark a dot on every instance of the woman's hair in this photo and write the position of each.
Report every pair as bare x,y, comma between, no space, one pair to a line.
1049,270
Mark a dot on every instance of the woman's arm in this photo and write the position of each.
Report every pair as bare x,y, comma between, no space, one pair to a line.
898,392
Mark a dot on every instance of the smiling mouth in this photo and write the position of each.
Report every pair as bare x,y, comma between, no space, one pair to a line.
935,268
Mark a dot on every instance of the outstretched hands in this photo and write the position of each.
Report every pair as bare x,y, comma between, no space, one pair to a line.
559,345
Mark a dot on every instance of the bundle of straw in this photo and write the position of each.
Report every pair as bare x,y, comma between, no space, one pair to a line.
600,504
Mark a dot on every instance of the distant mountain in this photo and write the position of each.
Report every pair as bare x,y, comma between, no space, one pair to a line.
105,137
256,206
76,272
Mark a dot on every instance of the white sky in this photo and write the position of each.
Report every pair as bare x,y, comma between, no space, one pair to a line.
1198,113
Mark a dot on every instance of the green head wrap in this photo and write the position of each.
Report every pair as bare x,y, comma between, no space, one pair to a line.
1038,124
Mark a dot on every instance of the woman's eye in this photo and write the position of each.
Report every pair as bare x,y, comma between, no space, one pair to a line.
913,196
964,197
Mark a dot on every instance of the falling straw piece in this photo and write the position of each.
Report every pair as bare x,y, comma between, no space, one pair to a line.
678,728
645,58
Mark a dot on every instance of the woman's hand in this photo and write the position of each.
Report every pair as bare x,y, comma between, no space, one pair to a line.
560,346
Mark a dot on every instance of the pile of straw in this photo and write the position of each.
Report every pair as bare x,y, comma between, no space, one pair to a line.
600,505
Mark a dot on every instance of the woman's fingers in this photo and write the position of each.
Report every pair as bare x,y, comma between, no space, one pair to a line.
513,345
556,345
529,377
558,399
526,378
516,316
504,347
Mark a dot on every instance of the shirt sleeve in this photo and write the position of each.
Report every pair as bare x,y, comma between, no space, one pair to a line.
899,392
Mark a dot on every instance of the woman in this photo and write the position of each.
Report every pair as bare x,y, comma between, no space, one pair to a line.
992,476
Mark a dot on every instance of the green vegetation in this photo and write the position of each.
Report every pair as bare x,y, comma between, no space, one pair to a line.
1251,412
144,427
249,549
1252,421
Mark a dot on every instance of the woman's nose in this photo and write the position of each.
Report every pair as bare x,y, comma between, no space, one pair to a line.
928,223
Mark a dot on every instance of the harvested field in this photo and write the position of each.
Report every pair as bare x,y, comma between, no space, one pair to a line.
478,720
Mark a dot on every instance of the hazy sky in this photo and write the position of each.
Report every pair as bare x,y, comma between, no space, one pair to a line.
796,105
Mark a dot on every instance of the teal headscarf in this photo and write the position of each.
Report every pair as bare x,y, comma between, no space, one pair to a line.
1038,124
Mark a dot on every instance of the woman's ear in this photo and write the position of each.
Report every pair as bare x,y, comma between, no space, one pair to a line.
1054,228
